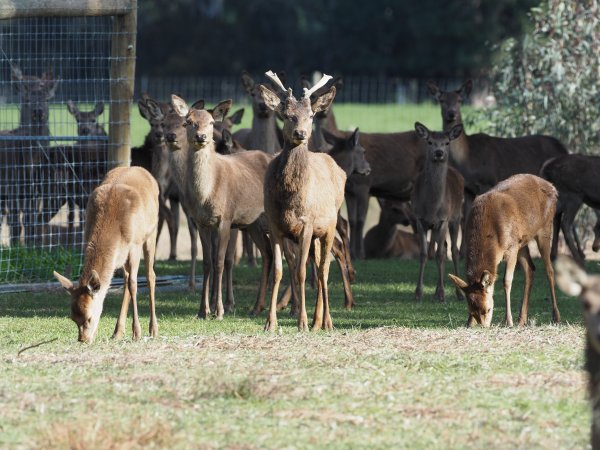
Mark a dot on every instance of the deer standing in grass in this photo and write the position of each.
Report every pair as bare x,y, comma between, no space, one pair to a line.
222,191
303,193
121,224
500,225
574,281
437,200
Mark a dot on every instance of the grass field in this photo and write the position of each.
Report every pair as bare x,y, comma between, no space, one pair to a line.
393,374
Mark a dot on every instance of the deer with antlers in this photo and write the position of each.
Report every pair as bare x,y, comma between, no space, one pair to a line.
303,194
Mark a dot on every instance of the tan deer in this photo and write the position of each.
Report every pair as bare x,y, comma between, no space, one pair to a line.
386,240
500,225
223,191
121,224
303,193
436,201
574,281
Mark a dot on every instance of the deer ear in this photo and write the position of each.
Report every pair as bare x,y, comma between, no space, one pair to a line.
434,90
72,107
247,82
354,139
486,279
99,108
236,117
51,85
179,105
329,137
154,110
220,111
271,99
143,107
64,282
323,101
93,284
570,278
455,132
458,282
421,130
466,88
198,104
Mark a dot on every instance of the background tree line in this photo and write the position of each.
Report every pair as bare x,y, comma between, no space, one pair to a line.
407,38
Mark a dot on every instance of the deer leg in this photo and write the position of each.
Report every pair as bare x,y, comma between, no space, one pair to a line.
290,249
264,246
248,247
363,207
173,226
342,228
223,233
205,235
313,274
229,262
194,240
438,235
556,230
134,264
467,204
544,242
570,207
511,262
326,244
453,228
214,235
149,254
276,242
304,243
527,265
422,259
120,326
338,251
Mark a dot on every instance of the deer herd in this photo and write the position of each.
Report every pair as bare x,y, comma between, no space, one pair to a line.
283,188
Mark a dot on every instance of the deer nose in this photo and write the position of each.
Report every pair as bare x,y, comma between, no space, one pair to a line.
171,137
451,114
438,154
85,131
158,134
300,135
201,138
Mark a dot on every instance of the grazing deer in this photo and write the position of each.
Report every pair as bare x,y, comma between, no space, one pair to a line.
303,193
436,201
121,223
26,160
576,179
485,160
224,191
500,225
385,240
574,281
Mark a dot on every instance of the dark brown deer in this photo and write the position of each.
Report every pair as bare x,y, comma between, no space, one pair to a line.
436,202
573,281
223,191
386,240
485,160
303,193
28,172
500,225
576,179
120,225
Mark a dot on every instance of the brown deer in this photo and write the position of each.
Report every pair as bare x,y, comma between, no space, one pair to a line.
576,179
385,240
500,225
303,193
485,160
574,281
436,201
324,120
28,170
223,191
120,224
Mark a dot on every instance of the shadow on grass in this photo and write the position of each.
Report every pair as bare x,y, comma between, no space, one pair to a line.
384,295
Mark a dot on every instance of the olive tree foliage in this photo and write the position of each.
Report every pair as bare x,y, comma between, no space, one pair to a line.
548,81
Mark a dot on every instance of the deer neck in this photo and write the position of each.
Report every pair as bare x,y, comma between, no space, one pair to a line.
435,174
318,139
294,160
201,171
264,134
100,255
459,147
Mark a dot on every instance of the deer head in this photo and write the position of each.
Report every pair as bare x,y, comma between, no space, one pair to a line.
297,114
87,121
84,311
480,297
348,153
199,123
35,93
450,101
438,143
154,113
574,281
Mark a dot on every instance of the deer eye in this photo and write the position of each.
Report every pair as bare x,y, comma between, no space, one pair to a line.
430,143
196,126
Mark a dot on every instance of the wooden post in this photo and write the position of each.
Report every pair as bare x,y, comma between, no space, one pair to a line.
122,74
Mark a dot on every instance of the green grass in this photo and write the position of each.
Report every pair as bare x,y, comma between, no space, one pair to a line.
393,374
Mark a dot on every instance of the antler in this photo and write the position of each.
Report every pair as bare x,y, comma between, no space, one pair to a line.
319,85
275,79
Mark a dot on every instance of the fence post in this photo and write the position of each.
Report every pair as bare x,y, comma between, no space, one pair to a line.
122,73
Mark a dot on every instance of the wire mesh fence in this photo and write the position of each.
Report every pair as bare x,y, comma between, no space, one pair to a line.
54,91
